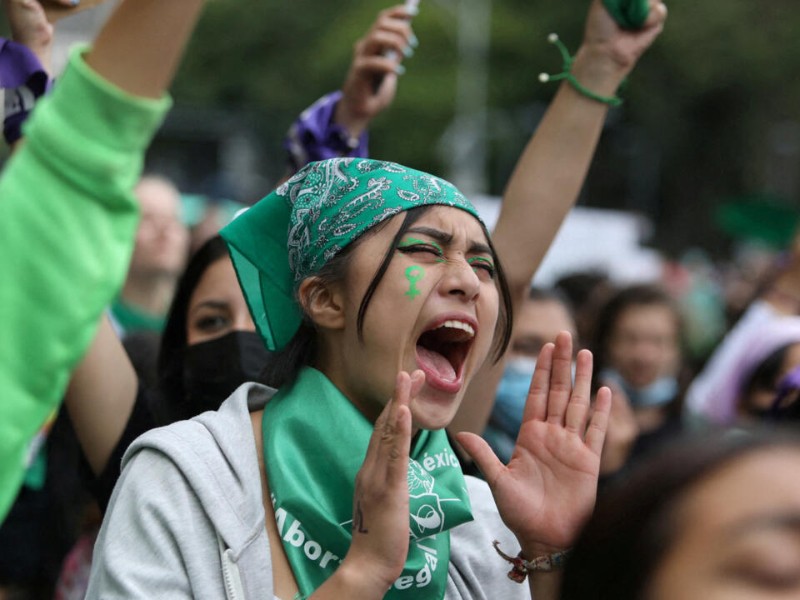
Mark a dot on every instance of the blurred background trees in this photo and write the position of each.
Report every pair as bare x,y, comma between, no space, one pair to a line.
711,114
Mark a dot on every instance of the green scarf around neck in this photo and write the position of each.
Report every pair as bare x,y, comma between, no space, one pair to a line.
315,441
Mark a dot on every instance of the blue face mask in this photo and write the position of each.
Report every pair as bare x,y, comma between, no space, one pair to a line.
512,392
662,391
509,403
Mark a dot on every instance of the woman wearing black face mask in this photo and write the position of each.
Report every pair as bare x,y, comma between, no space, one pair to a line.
209,347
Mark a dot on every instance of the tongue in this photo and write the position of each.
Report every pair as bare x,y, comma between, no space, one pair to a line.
436,363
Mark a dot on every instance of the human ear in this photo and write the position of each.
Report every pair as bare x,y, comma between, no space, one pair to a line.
322,303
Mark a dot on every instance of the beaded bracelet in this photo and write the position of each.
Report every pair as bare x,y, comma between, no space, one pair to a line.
567,75
520,566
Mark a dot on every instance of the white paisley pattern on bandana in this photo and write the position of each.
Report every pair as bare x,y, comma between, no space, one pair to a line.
335,201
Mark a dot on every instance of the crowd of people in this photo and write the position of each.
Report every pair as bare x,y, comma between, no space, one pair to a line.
351,390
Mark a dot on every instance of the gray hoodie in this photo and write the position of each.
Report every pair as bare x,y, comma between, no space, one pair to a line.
186,519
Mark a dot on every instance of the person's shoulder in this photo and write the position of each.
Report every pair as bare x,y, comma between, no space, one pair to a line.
217,429
213,446
211,458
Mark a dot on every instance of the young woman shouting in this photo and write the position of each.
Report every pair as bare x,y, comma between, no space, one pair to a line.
379,287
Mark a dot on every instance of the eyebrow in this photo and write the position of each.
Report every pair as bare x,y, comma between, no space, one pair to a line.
786,520
219,304
446,238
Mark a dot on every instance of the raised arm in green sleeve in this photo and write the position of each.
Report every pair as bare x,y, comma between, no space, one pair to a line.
67,225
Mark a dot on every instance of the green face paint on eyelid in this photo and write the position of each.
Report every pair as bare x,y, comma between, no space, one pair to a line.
414,274
414,242
407,243
480,259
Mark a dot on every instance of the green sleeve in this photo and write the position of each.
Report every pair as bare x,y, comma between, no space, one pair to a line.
67,224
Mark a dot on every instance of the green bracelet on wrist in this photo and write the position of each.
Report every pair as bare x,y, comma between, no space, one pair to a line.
569,77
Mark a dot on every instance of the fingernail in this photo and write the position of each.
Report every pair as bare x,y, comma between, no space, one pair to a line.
413,41
412,10
74,2
400,69
408,51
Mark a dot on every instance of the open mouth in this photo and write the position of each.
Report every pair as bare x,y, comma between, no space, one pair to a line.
442,351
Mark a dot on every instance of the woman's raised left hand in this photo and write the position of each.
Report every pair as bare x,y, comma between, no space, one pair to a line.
548,488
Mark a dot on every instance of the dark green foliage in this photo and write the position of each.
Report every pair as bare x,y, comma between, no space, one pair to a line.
702,109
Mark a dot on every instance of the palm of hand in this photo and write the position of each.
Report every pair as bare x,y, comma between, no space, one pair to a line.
548,488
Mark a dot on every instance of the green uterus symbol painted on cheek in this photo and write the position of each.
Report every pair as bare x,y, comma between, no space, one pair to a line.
414,274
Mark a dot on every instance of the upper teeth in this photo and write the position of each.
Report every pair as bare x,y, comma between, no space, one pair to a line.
458,325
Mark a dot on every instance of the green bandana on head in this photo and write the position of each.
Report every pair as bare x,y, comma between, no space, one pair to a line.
292,233
311,467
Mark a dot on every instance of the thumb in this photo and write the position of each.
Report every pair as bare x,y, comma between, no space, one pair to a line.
482,454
